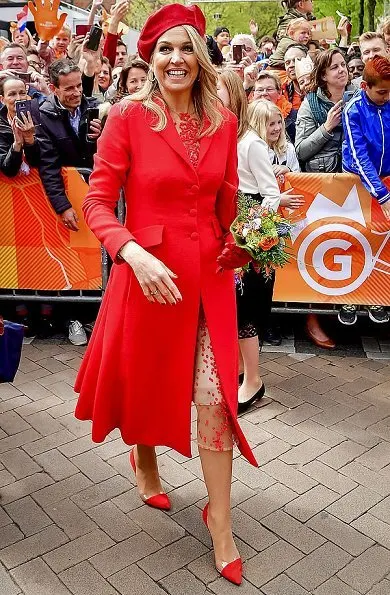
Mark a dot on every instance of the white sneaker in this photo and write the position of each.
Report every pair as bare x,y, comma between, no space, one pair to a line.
77,335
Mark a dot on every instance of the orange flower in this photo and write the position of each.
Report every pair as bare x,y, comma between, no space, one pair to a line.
267,243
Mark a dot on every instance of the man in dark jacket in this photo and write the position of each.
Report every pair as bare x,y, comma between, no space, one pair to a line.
67,137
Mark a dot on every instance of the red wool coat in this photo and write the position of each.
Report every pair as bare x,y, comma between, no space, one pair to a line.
137,374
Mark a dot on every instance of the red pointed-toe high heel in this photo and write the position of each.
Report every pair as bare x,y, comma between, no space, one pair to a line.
160,501
231,571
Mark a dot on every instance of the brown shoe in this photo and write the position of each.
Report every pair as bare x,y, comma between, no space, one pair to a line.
316,333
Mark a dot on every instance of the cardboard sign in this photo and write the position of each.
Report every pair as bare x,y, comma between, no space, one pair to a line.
324,29
340,252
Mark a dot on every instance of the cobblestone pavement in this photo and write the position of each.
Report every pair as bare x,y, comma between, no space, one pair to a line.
313,519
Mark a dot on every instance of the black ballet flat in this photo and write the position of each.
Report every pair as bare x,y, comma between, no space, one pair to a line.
257,396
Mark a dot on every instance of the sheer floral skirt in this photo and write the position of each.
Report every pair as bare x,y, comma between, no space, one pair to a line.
214,427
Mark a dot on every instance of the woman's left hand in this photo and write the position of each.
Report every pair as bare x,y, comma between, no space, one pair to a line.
280,170
26,127
232,257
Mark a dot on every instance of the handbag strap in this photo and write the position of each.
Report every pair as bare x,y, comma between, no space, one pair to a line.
1,326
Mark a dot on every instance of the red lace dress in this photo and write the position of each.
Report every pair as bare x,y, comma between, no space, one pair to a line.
214,429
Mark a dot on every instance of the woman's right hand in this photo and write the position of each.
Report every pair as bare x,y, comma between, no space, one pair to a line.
18,136
152,274
334,116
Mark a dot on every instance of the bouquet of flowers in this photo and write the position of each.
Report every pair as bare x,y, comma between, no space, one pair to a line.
263,233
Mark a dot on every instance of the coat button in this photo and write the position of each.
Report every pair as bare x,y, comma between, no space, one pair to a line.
194,236
193,212
194,189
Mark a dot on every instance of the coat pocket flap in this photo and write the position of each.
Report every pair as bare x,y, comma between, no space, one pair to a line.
217,228
149,236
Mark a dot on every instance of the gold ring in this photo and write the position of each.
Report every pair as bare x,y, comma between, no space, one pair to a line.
154,292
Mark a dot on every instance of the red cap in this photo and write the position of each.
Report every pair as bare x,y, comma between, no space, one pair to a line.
167,17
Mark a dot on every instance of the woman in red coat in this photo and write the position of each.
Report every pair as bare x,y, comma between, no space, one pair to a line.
166,334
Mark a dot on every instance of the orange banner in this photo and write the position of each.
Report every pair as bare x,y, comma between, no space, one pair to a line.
36,250
340,248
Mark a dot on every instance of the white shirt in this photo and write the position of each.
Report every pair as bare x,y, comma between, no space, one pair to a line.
255,170
289,158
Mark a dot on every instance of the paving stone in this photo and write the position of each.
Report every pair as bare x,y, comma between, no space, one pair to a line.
366,570
304,453
299,414
319,432
382,588
11,442
182,582
7,586
319,566
366,418
93,467
36,578
43,423
341,397
268,501
29,407
239,493
342,454
354,504
334,586
56,465
48,442
105,490
359,435
252,477
382,510
7,391
292,531
129,500
262,414
286,433
113,521
270,450
10,534
133,581
12,423
4,519
24,487
32,547
19,463
251,531
375,528
75,426
289,476
367,478
182,496
73,521
13,404
222,587
77,550
29,517
283,585
172,557
162,528
310,503
125,553
5,478
83,579
204,568
111,449
62,409
281,396
120,464
333,415
77,447
36,391
340,533
380,430
61,490
269,563
377,457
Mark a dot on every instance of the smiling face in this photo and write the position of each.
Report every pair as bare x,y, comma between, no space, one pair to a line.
373,47
266,88
336,75
289,61
104,77
302,35
14,59
175,64
274,128
69,90
13,90
135,80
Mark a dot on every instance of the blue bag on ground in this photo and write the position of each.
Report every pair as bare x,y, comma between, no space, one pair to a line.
11,341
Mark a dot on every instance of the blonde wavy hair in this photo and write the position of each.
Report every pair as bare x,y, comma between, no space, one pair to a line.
238,103
204,92
260,112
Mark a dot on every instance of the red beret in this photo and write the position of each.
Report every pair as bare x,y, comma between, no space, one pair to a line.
167,17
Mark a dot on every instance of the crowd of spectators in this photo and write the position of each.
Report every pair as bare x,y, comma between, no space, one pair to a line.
297,89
